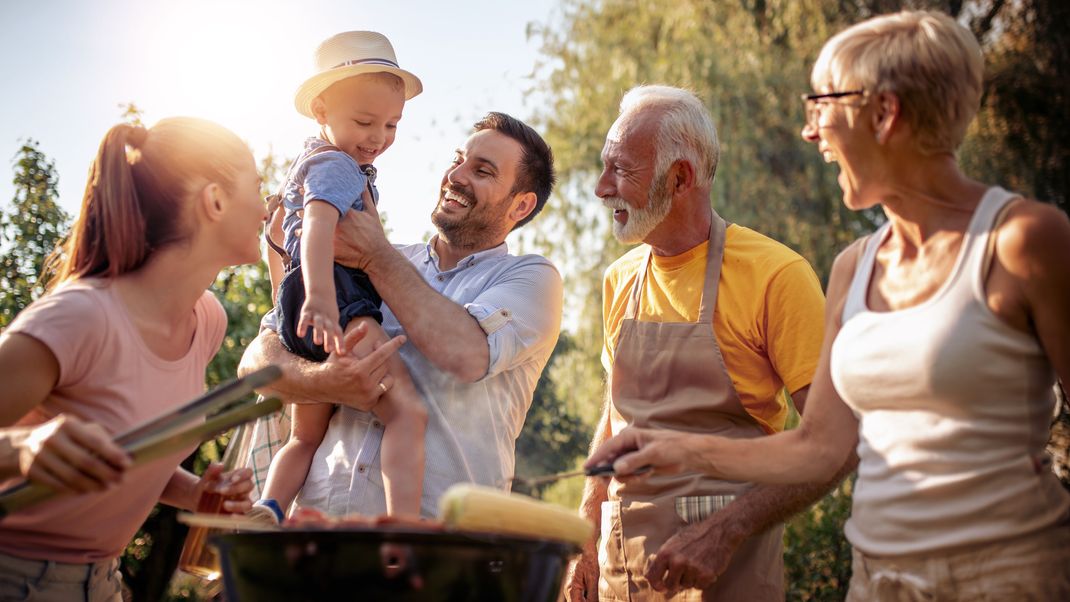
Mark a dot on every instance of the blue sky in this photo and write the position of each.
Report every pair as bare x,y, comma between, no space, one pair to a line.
67,65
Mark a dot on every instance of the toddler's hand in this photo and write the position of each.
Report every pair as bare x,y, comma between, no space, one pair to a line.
322,318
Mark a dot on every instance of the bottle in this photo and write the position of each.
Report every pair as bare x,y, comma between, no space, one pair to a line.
199,557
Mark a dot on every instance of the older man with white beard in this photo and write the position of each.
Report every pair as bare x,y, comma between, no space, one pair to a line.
705,325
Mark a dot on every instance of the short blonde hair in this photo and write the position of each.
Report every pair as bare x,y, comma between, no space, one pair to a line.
927,59
685,129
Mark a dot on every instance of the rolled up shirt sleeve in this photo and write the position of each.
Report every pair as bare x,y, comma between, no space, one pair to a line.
521,314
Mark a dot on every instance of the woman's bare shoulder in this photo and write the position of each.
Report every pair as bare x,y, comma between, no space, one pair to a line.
843,271
1030,232
843,267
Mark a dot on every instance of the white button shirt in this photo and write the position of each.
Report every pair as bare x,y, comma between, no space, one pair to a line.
472,428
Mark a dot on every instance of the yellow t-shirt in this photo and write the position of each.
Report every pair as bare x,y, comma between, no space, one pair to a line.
769,319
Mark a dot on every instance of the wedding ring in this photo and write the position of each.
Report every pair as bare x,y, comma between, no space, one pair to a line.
382,387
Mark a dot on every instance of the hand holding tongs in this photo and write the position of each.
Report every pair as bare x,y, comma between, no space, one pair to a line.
173,431
602,470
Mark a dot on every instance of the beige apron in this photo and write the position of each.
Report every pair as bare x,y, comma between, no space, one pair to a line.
670,375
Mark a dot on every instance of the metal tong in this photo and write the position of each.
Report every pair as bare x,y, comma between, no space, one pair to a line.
602,470
173,431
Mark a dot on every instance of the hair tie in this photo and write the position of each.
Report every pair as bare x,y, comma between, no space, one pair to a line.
135,136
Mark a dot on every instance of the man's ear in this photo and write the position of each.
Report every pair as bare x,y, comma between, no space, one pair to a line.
211,202
886,114
523,205
319,110
681,176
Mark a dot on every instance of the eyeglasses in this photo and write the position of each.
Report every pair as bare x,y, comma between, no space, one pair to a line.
815,101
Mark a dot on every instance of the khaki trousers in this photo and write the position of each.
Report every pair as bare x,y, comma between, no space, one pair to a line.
1034,567
47,581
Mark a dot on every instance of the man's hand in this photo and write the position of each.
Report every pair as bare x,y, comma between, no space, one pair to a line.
581,580
358,382
342,379
695,557
359,238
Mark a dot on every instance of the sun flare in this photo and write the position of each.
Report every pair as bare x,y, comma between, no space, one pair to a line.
221,61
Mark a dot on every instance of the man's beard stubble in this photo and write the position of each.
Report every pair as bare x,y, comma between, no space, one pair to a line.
470,231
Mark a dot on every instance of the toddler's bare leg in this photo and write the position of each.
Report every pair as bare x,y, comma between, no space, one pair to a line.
289,467
404,416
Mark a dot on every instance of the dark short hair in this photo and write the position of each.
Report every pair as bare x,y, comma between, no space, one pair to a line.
536,172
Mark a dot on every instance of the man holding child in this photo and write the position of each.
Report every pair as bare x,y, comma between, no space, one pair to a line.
480,325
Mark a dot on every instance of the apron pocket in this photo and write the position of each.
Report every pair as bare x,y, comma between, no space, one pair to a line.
612,566
610,542
694,509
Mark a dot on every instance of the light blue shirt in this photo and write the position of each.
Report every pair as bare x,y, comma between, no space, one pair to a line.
330,176
472,427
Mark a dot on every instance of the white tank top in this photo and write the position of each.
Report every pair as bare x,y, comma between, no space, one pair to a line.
954,410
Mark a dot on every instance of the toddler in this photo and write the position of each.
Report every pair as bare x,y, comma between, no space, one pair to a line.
357,98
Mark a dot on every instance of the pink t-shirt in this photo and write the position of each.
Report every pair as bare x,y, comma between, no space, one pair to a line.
108,375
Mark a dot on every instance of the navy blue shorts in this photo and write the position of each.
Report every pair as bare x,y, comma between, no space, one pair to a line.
356,297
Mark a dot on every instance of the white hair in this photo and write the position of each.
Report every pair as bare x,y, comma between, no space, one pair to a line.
926,58
685,129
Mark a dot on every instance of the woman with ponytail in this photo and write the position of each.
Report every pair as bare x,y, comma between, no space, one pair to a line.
123,335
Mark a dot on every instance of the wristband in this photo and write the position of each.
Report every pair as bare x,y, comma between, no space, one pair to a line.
272,505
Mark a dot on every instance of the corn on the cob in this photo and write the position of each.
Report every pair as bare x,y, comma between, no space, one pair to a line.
474,508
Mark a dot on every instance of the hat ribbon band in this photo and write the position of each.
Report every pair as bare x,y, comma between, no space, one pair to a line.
386,62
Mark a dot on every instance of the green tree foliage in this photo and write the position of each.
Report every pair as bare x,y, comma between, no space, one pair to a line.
30,228
554,436
817,557
749,64
1020,137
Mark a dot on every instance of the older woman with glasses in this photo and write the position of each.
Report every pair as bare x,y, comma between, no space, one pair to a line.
946,330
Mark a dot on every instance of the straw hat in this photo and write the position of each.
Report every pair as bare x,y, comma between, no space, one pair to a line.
347,54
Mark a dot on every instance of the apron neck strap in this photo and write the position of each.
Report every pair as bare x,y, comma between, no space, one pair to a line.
714,256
